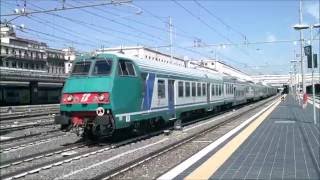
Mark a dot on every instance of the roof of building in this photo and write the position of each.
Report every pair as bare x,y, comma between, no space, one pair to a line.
140,47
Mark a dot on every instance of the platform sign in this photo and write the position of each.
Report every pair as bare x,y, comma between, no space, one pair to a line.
308,53
315,61
308,50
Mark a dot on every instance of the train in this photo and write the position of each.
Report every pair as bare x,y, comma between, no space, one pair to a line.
110,92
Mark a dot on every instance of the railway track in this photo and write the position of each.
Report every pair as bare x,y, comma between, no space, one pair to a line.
15,127
14,112
26,136
99,148
43,137
170,147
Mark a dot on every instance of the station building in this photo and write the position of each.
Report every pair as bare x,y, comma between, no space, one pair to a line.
31,72
222,67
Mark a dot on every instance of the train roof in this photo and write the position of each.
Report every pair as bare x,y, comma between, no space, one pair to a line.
169,69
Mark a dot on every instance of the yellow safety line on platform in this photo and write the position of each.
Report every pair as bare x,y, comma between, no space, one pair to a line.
209,167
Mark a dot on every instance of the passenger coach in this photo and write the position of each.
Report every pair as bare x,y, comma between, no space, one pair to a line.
109,92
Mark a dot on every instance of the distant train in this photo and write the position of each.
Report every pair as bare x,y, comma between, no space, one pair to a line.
109,92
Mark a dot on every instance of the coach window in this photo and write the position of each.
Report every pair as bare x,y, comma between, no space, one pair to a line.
216,90
161,89
187,89
220,89
180,89
198,89
193,89
212,89
204,89
227,88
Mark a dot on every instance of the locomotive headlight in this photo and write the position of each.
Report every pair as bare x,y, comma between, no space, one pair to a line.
69,98
101,97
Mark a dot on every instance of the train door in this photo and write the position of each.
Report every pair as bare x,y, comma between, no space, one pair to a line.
208,92
171,97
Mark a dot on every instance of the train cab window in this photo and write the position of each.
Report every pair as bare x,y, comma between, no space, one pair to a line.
204,89
187,89
161,89
198,89
102,67
126,68
180,89
193,89
81,68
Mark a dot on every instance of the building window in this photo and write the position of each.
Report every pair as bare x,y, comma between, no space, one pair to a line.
180,89
14,64
187,89
198,89
204,93
193,89
161,89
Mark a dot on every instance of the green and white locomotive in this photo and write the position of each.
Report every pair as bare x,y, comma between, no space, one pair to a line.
106,93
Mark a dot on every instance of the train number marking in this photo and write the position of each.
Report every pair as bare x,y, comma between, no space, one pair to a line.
85,97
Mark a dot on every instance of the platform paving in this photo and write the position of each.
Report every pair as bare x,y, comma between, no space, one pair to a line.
285,146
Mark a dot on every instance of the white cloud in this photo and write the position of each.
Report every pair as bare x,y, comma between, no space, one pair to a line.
313,9
271,37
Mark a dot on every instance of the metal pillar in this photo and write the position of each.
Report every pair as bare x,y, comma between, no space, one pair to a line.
301,51
312,81
33,88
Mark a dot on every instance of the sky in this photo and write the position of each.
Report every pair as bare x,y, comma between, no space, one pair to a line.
233,31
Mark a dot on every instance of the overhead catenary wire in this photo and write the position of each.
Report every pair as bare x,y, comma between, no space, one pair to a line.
122,24
209,26
99,28
220,19
65,8
61,28
54,36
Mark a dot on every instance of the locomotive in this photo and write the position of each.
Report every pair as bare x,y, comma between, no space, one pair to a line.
106,93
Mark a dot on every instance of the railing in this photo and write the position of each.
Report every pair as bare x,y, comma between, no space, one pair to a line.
15,74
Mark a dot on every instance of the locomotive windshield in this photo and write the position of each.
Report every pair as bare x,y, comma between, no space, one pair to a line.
102,67
81,68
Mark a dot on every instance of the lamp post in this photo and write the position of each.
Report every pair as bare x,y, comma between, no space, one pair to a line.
301,27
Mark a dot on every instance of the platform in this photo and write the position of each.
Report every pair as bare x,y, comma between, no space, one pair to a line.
285,144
